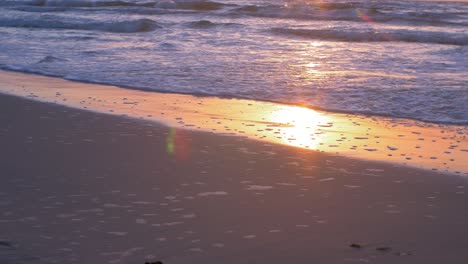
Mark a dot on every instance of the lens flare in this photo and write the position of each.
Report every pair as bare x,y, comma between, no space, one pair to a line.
178,144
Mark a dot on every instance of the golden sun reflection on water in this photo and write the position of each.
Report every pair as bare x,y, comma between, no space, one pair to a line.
299,125
312,68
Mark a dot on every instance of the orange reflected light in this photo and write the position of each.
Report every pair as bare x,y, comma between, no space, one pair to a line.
299,126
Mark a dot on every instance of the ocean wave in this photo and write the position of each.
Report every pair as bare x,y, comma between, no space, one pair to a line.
339,11
201,5
401,35
14,2
50,59
357,12
332,6
39,9
169,4
130,26
208,24
81,3
347,12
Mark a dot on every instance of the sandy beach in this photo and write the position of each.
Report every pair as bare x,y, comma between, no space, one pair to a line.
84,187
233,132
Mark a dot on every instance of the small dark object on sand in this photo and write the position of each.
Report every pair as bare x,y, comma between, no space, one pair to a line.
154,262
383,248
354,245
5,244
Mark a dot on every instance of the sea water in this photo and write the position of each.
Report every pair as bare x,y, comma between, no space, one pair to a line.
404,59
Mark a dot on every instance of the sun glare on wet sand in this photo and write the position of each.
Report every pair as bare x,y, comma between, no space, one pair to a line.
299,125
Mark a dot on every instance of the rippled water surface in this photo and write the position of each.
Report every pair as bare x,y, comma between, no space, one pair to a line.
397,58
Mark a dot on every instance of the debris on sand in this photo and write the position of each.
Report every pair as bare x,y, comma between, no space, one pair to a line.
383,249
355,245
5,244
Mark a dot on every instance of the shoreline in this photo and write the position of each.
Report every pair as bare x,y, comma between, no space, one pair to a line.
398,141
83,187
227,97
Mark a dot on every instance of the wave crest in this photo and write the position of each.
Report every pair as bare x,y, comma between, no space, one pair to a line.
131,26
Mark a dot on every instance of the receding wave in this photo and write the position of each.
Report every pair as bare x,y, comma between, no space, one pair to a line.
131,26
401,35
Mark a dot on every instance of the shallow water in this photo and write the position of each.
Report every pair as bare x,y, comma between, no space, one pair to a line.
396,58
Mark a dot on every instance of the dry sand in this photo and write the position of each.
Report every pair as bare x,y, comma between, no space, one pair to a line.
81,187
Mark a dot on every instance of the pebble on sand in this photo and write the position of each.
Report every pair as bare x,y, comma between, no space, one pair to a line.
354,245
383,249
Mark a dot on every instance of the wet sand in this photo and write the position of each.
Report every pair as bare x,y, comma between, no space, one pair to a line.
399,141
83,187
